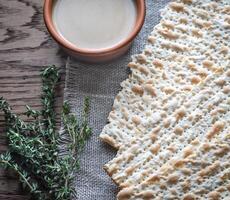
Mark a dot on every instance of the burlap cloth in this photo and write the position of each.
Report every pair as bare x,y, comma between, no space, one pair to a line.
101,83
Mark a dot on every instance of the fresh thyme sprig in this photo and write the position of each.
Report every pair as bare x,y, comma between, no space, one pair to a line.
34,146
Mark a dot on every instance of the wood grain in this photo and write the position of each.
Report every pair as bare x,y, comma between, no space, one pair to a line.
25,48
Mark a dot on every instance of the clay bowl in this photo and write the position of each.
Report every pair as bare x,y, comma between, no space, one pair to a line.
94,55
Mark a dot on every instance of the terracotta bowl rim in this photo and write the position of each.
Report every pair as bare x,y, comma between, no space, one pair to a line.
47,14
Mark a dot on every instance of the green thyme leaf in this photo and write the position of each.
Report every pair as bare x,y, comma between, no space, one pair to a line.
33,147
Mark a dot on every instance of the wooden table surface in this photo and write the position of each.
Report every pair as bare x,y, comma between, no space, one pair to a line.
25,48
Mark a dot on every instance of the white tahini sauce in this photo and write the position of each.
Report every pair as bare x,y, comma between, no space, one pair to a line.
94,24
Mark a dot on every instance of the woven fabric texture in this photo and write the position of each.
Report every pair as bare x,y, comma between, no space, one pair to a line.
101,82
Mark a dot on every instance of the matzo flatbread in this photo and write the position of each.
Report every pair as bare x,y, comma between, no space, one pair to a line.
149,153
201,174
163,72
178,93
